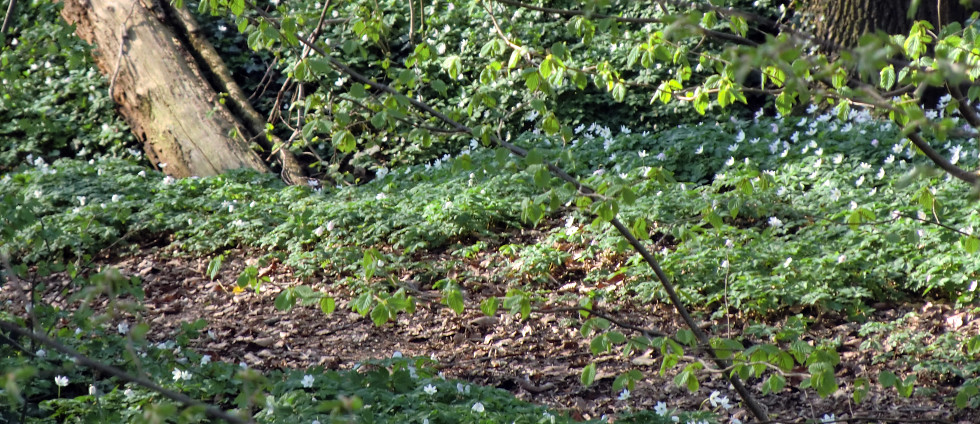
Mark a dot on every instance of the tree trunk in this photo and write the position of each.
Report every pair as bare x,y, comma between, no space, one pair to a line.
237,102
843,22
159,90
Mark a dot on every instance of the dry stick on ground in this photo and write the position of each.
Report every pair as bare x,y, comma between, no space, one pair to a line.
209,410
736,382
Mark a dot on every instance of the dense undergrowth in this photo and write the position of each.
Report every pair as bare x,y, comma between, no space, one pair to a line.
761,217
54,102
760,225
768,217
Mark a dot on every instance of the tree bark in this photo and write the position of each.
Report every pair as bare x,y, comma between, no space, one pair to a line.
843,22
219,74
159,90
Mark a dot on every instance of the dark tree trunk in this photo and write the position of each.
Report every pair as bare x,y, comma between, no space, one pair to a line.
843,22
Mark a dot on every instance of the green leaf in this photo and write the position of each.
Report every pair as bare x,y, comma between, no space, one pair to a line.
304,292
822,378
453,66
966,393
362,304
301,72
714,219
138,332
687,379
599,345
843,109
619,92
532,81
515,58
454,299
588,375
605,210
887,77
621,380
773,384
686,337
633,57
318,65
906,387
327,305
615,337
248,276
357,91
542,178
489,306
739,25
286,300
970,243
344,141
379,315
784,103
973,345
534,157
861,387
887,378
640,229
378,120
550,124
701,101
214,267
546,67
237,7
580,79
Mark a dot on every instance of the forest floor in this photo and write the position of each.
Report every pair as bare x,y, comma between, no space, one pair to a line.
539,359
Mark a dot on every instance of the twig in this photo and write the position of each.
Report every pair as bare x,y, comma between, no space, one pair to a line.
963,105
264,82
940,160
7,18
411,22
619,323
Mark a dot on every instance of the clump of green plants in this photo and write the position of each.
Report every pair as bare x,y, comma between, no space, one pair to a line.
777,216
774,212
421,207
54,103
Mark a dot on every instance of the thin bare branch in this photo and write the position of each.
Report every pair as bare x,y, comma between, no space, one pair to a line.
209,410
963,105
8,17
940,160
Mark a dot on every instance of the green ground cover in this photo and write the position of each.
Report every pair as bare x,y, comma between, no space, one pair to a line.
759,215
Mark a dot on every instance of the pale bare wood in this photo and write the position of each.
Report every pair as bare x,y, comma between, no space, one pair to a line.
292,171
